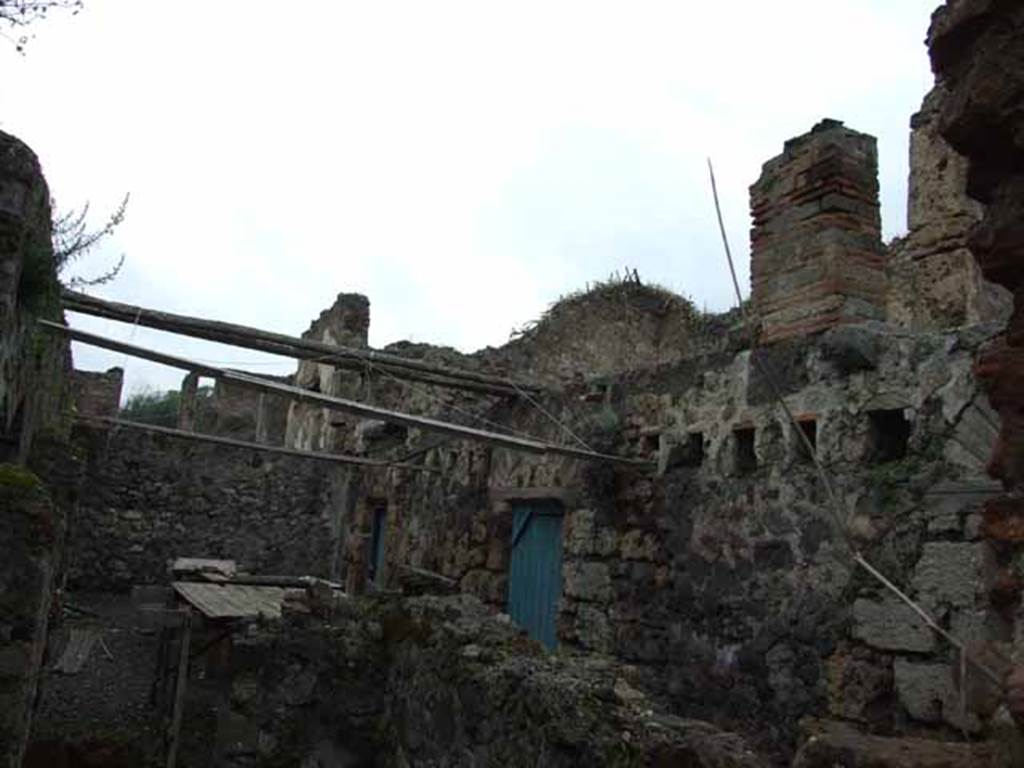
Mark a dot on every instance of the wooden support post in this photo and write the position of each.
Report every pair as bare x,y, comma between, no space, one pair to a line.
188,404
180,685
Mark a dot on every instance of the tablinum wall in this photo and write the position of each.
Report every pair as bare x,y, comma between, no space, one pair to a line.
721,578
148,498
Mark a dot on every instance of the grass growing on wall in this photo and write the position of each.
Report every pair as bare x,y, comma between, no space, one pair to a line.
624,292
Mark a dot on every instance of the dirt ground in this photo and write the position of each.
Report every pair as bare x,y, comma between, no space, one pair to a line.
101,715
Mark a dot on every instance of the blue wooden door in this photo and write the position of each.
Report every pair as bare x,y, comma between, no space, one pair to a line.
535,568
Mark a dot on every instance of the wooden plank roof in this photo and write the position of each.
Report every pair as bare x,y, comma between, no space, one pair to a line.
232,601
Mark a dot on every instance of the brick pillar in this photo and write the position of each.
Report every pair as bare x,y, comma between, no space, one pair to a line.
817,258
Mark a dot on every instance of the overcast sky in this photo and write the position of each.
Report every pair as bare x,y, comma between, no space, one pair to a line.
462,164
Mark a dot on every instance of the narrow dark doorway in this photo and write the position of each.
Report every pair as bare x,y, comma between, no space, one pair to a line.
889,435
375,562
745,455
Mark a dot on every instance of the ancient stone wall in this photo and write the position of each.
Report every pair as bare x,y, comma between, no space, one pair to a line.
723,579
429,681
816,252
748,588
719,574
246,414
613,327
232,411
346,323
933,280
97,393
150,498
977,53
34,364
37,486
715,571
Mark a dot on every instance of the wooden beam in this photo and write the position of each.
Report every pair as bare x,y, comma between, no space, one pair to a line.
285,582
567,496
295,347
338,458
181,683
527,445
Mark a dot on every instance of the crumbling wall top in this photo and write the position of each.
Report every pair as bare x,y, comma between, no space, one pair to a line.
345,322
97,393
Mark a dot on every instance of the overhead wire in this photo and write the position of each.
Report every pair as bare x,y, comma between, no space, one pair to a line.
424,389
426,392
551,417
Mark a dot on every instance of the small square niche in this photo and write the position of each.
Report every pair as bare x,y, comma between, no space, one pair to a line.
695,449
809,428
745,456
888,435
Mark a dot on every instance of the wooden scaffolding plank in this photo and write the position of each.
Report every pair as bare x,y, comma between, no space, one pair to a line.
293,346
527,445
181,682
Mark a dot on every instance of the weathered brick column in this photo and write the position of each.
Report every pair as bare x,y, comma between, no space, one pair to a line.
816,247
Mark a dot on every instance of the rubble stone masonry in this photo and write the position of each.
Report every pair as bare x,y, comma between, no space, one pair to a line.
97,393
933,280
150,498
36,482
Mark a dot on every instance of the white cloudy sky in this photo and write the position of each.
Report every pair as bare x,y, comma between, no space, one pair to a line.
461,163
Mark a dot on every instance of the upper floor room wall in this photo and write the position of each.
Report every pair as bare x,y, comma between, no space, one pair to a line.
150,498
345,323
97,393
817,261
612,327
718,569
934,281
